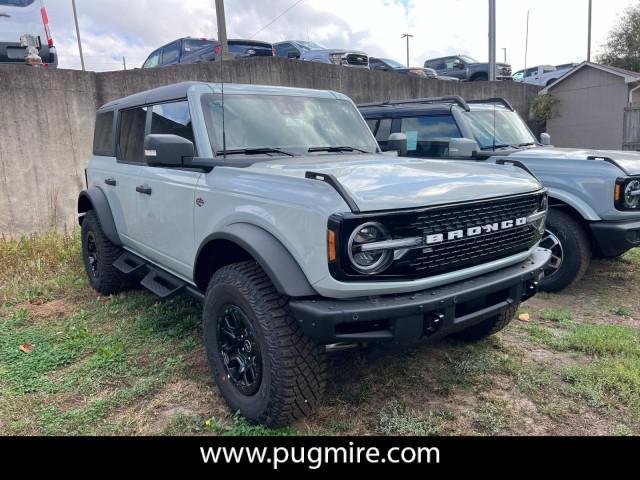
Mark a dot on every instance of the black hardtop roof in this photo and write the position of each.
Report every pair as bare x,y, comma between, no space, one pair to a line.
157,95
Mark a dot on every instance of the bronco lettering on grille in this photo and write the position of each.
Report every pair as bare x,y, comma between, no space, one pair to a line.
474,231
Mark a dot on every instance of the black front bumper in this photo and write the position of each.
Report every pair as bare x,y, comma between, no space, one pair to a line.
615,238
433,313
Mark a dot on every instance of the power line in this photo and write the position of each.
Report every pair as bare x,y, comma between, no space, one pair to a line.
276,19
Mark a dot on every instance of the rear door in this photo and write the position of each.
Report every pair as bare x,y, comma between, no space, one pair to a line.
166,207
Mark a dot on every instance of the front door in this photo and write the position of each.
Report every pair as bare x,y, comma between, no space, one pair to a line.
166,199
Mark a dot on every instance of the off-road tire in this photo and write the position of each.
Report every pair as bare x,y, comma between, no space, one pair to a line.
577,251
488,327
107,280
294,367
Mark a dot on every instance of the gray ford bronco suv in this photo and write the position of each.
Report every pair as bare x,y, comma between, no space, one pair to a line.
276,209
594,195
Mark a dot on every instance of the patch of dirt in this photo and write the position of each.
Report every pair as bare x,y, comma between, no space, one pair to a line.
54,309
154,415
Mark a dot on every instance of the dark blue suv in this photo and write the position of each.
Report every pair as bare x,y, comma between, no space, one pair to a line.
194,50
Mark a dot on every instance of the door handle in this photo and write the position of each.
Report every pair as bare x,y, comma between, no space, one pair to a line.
111,182
144,189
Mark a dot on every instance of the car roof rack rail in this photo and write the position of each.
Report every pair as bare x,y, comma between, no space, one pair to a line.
499,100
448,99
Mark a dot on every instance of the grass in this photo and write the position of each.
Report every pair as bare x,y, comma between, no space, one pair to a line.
132,365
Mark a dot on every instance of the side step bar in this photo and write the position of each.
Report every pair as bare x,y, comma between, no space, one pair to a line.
162,284
128,263
159,282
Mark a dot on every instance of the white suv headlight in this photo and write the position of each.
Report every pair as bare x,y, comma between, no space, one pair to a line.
369,260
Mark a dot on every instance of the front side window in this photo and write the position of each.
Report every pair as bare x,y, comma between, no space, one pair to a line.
291,123
131,135
103,134
172,119
428,136
171,53
499,128
153,60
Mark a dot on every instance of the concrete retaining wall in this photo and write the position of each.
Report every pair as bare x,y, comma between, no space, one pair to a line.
46,120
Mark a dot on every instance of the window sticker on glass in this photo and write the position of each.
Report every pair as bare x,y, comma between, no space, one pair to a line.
412,140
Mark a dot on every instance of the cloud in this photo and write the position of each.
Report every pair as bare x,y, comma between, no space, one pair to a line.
112,29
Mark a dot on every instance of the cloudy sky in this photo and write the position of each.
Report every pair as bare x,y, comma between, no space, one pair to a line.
112,29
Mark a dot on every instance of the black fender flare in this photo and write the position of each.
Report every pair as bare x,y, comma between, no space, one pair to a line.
95,199
271,255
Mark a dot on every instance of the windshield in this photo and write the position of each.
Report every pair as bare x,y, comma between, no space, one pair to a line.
18,17
311,46
290,123
392,63
509,129
468,59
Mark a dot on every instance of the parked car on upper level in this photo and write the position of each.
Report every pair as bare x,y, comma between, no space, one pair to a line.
542,75
25,17
594,195
466,68
388,65
275,208
314,52
201,50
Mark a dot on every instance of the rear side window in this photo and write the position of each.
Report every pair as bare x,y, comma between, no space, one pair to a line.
103,135
381,129
171,53
131,135
172,119
429,136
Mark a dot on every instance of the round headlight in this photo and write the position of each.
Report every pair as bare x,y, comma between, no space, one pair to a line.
367,261
632,194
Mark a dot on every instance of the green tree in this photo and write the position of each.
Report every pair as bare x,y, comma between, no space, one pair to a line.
622,48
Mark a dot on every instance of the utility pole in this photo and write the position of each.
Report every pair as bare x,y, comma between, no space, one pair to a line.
589,34
492,40
124,62
75,17
222,30
505,54
526,43
407,36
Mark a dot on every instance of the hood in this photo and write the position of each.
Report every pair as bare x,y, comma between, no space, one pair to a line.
628,162
380,182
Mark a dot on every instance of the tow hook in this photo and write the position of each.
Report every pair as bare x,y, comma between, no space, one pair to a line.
531,289
433,323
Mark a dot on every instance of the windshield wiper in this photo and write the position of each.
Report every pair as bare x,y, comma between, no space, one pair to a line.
254,151
336,149
493,147
529,144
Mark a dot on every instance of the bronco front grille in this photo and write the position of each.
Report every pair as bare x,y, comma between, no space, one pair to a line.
457,253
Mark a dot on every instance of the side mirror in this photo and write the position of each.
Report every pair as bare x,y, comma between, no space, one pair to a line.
167,150
463,148
398,142
545,139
